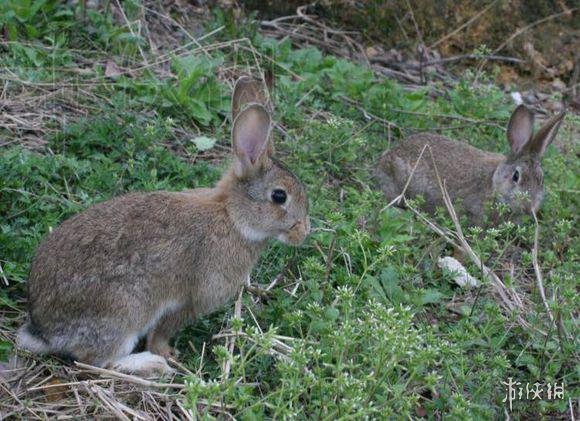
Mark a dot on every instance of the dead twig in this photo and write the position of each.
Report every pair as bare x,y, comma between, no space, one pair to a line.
401,196
129,378
451,59
131,29
538,270
368,115
230,341
3,276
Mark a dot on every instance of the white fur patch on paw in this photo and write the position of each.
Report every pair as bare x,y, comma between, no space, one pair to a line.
142,363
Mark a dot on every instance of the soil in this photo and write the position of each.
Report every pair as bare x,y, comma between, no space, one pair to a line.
543,34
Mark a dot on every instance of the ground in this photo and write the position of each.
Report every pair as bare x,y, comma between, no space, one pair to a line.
101,99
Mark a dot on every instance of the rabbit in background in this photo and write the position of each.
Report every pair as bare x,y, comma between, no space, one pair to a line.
144,264
471,175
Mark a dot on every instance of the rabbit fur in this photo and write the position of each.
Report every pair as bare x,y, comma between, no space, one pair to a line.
473,176
144,264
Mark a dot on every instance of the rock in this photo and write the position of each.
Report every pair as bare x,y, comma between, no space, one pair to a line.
517,97
458,272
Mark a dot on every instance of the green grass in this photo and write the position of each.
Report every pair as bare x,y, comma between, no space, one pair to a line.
377,329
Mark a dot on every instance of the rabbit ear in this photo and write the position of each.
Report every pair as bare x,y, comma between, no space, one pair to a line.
246,91
537,146
520,128
250,139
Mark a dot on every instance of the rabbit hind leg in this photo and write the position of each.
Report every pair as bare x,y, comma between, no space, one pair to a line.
113,350
388,184
99,344
158,338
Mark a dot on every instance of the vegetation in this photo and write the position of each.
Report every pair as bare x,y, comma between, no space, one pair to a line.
361,322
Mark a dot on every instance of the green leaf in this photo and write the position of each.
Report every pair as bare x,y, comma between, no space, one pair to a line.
431,296
199,111
331,313
377,290
5,348
32,56
204,143
390,283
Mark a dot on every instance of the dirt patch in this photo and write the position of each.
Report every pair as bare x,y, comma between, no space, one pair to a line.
541,36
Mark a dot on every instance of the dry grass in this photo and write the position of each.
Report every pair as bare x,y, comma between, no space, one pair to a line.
34,387
40,390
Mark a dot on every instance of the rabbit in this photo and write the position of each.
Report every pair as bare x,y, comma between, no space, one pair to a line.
476,177
143,264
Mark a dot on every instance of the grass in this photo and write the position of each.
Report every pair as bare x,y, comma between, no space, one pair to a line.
360,321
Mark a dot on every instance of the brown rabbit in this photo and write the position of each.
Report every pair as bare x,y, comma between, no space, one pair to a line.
144,264
470,174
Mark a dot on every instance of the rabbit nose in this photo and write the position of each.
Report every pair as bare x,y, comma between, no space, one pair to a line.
302,225
297,233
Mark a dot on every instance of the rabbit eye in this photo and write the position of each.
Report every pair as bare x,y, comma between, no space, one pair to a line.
516,176
279,196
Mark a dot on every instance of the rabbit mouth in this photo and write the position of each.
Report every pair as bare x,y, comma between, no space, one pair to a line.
296,234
